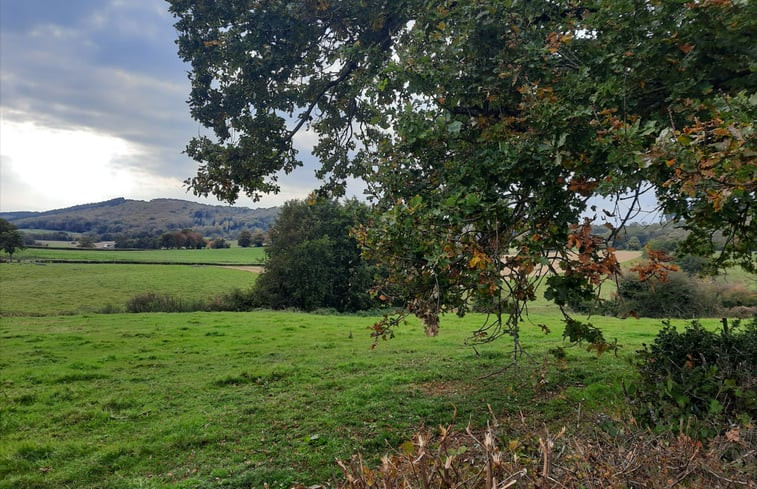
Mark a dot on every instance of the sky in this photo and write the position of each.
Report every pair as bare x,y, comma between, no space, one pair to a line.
93,107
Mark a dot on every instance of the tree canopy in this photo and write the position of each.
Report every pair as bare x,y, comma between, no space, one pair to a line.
484,129
313,262
11,238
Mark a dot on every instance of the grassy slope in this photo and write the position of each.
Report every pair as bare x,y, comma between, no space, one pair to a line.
65,288
194,400
236,255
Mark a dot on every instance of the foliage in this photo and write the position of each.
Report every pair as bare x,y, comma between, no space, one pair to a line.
86,240
157,302
11,238
662,236
134,219
186,238
258,238
48,235
219,243
483,129
681,295
698,373
313,262
244,239
736,295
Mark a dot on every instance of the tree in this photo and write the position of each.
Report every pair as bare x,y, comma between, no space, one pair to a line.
193,239
483,129
245,239
11,239
313,261
633,243
258,238
86,240
219,243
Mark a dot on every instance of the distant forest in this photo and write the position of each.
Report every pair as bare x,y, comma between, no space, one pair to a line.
121,217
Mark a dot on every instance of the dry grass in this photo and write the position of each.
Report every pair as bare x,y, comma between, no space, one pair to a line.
517,454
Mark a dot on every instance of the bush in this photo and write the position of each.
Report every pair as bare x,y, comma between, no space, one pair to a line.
698,375
236,300
219,243
738,296
153,302
680,296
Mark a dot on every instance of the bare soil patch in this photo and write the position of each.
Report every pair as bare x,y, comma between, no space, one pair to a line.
251,268
627,255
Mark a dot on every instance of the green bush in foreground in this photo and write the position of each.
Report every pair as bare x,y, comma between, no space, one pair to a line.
697,375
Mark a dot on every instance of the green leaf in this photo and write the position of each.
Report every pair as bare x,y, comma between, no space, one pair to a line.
455,127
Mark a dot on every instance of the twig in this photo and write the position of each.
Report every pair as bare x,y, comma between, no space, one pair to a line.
731,481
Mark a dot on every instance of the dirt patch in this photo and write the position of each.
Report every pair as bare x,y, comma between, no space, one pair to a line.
627,255
251,268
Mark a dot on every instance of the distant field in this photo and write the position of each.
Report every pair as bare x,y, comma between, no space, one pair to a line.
238,399
66,288
226,256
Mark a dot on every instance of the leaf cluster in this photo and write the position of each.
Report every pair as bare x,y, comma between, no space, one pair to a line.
700,374
482,130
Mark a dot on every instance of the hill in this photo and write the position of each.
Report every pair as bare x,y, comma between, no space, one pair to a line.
137,217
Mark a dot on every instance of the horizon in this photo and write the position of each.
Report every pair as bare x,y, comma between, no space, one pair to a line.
137,200
93,107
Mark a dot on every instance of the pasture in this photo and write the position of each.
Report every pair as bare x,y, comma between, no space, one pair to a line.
239,399
223,256
33,289
201,400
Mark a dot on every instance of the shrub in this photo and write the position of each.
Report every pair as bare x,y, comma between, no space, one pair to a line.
698,375
738,295
219,243
235,300
153,302
680,296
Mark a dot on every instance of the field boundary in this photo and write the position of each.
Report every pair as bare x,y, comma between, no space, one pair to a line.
133,262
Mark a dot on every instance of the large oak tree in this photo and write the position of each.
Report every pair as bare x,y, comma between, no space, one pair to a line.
483,128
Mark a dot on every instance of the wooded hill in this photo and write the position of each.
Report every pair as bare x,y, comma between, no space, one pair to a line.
136,217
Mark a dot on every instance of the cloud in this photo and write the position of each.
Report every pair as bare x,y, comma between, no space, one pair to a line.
62,167
106,70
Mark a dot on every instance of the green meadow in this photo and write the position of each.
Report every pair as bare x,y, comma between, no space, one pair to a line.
34,289
201,400
223,256
241,399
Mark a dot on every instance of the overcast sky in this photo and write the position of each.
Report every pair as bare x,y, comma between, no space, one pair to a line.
93,106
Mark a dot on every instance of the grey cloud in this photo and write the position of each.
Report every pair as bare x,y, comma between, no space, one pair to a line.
111,67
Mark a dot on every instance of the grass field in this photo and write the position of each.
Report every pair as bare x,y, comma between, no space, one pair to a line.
34,289
239,399
225,256
236,400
